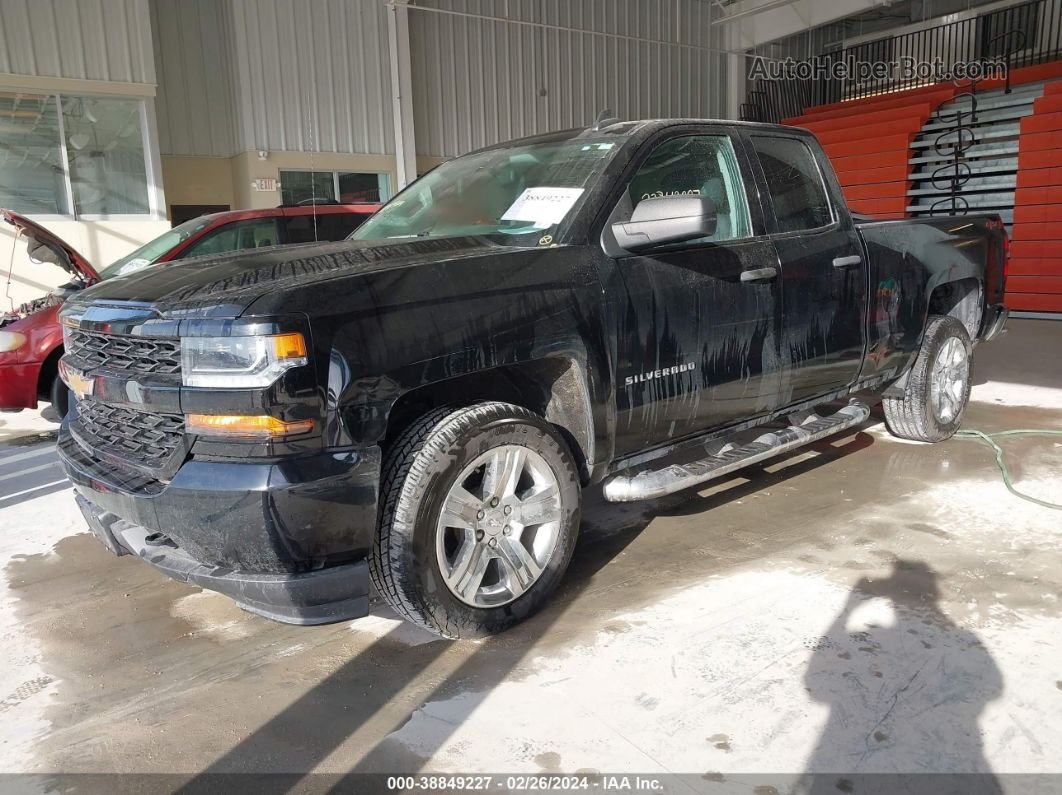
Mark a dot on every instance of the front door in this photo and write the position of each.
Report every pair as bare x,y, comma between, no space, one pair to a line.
824,276
697,323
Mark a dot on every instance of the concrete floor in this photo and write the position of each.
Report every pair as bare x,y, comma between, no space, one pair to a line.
869,606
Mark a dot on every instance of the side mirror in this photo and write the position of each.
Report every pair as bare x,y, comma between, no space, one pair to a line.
666,219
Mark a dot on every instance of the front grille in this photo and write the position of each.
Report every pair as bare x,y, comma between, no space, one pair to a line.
139,355
116,477
142,438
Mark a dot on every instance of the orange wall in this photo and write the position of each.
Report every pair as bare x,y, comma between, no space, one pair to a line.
869,143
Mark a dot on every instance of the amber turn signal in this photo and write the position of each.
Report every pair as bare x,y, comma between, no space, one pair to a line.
237,426
289,346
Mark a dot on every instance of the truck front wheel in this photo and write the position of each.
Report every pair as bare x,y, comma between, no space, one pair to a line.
479,512
938,386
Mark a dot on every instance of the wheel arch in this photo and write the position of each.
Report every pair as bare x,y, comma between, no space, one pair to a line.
962,299
48,373
555,388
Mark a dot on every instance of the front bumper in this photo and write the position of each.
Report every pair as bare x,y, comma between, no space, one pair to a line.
286,540
338,593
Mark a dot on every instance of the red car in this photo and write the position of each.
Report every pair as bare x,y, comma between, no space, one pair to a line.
31,340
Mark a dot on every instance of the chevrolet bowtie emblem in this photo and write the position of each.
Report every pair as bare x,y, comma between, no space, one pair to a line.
80,383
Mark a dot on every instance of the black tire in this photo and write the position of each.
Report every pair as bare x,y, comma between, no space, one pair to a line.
59,395
914,416
421,467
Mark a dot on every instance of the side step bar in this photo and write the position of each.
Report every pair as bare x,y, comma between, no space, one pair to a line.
647,483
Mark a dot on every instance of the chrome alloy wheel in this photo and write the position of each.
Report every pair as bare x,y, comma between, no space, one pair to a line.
947,385
499,526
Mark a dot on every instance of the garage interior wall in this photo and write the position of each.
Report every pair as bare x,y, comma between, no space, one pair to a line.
74,48
555,64
312,76
244,91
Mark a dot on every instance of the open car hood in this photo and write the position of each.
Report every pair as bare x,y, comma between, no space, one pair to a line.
45,246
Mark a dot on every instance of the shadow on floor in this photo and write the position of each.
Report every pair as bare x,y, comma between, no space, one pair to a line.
905,688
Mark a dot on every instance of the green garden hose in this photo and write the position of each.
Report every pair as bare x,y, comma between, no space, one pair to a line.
987,438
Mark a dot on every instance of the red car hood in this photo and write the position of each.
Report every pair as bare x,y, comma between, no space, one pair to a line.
45,246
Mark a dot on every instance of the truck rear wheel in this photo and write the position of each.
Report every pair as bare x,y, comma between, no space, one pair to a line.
479,512
938,387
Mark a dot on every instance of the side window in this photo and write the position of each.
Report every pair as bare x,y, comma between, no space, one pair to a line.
338,226
300,228
253,233
700,165
330,226
795,183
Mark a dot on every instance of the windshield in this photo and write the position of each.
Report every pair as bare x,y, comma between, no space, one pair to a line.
149,253
515,194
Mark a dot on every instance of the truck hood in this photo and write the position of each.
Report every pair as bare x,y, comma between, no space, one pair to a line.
226,286
45,246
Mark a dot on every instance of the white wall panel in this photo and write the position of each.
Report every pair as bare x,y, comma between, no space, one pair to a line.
312,75
80,39
477,81
196,102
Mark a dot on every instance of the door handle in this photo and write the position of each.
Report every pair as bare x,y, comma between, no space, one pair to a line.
847,262
759,274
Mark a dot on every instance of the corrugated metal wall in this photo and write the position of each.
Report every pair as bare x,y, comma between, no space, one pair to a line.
196,103
479,81
80,39
313,75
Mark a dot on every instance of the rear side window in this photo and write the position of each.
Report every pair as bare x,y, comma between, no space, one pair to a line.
795,183
329,226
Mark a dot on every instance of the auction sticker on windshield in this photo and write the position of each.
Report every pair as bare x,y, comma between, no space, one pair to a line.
543,206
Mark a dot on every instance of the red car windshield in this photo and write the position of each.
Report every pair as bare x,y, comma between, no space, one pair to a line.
150,253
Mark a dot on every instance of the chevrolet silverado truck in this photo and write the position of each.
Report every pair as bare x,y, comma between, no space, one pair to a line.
640,306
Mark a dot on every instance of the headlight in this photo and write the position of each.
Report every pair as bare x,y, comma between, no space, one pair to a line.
240,361
11,341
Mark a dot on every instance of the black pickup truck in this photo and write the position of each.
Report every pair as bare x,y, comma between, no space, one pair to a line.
639,305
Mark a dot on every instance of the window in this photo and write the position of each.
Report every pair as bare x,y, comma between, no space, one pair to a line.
515,195
698,165
306,187
253,233
105,152
329,226
72,155
32,173
151,252
795,183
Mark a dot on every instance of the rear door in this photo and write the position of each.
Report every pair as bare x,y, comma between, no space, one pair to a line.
695,323
823,275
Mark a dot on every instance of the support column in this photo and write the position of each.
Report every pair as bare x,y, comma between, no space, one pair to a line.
401,91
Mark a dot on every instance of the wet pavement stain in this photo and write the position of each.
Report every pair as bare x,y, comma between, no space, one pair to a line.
720,741
550,762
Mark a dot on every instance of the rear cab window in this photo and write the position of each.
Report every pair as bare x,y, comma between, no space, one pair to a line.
795,183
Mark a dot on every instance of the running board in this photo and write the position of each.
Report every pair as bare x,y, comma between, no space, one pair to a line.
646,483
